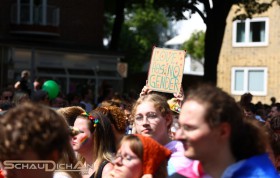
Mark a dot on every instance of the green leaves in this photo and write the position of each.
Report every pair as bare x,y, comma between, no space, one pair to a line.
140,32
195,45
247,8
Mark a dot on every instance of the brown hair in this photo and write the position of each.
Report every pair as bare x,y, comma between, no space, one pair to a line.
275,123
68,157
112,102
116,116
32,126
103,144
71,113
247,139
137,147
275,145
160,103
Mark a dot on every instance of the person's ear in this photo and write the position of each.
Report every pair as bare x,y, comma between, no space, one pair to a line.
225,130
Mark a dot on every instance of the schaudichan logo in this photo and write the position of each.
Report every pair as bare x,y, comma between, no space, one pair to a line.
47,165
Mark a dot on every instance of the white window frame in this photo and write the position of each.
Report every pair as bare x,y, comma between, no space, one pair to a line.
247,33
245,81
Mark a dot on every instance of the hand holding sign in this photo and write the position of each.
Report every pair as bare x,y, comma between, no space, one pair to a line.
145,90
180,96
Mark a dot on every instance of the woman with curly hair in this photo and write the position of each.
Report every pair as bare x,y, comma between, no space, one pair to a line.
117,118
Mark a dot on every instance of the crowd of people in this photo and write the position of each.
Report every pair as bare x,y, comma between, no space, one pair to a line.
199,133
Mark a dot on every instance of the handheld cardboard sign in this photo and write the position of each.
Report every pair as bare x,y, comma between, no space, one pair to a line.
166,70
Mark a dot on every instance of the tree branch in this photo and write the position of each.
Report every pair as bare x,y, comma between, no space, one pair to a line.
207,6
194,8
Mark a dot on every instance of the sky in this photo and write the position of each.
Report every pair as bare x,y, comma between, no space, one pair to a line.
188,26
185,28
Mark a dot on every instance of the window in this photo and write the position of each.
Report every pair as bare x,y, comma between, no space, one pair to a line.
35,12
250,32
249,79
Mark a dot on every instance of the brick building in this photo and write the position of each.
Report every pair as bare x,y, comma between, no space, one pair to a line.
56,39
250,56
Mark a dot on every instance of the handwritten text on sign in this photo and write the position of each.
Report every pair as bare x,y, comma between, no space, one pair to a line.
166,70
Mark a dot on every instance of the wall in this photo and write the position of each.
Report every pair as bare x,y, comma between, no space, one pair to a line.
265,56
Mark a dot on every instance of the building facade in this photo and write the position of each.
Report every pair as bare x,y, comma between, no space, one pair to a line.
56,39
250,56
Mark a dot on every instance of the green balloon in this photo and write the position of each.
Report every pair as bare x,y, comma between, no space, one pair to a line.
52,88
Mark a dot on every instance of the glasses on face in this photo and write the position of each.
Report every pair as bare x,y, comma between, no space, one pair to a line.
150,116
124,159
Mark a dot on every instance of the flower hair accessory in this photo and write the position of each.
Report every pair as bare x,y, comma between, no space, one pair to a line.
174,105
91,118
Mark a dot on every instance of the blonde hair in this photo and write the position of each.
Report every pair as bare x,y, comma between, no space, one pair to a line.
103,142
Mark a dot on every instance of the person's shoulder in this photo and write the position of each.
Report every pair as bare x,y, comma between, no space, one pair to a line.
255,166
176,175
107,168
175,146
61,174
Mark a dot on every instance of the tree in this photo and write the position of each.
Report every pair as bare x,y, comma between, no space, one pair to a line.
140,31
195,45
214,16
118,21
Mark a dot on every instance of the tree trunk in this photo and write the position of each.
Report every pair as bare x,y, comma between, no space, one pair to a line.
216,24
117,27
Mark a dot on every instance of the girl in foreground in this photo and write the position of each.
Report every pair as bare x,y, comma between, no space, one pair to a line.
140,157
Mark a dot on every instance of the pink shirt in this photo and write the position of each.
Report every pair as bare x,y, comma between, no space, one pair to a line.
177,160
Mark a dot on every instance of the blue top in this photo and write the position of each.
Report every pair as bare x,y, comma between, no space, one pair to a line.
259,166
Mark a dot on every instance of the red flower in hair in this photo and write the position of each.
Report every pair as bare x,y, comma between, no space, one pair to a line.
90,117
